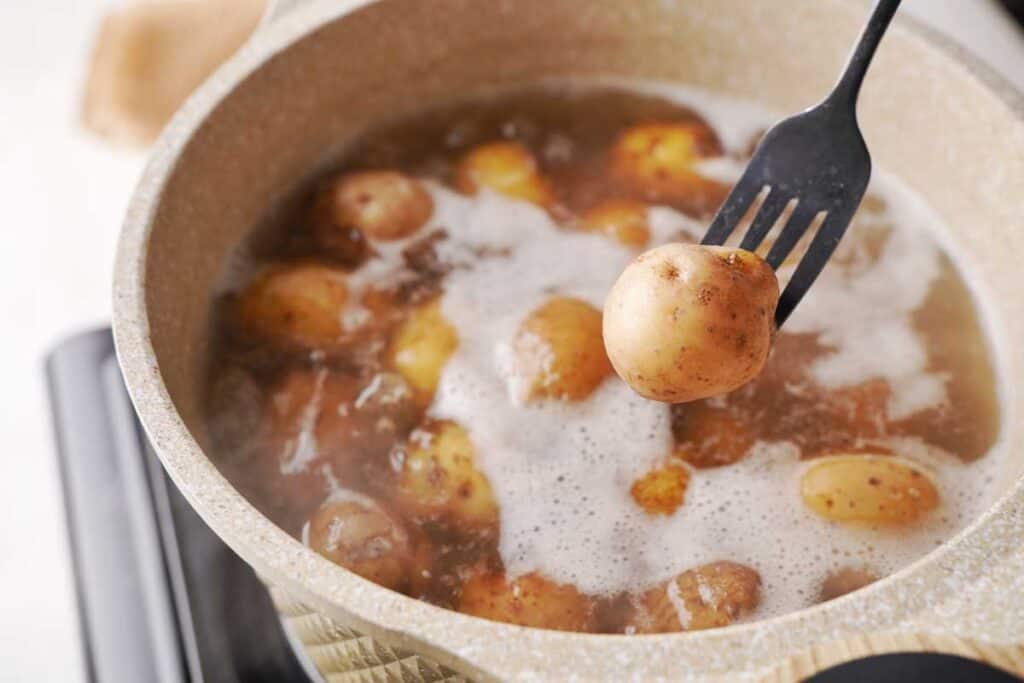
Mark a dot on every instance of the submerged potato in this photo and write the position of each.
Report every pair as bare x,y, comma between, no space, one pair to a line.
685,322
658,159
661,491
438,478
337,418
621,219
530,600
559,352
356,533
306,405
382,205
421,347
845,580
342,242
507,168
709,596
708,436
296,305
867,489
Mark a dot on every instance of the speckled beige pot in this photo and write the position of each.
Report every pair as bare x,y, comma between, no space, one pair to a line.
313,78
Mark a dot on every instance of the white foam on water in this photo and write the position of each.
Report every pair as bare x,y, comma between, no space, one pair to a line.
561,472
865,317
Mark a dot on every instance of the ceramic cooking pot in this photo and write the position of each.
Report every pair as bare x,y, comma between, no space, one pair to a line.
317,74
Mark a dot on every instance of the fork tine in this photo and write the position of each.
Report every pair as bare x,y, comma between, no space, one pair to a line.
796,226
772,207
732,210
811,265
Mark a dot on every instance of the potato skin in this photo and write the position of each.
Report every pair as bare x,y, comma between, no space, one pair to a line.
507,168
530,600
713,595
352,422
421,346
867,490
685,322
438,479
359,535
295,306
623,220
656,160
558,349
383,205
707,436
662,490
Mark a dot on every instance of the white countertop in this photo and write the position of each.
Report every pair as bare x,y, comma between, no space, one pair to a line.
63,197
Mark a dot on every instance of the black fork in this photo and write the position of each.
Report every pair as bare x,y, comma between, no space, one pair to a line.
816,160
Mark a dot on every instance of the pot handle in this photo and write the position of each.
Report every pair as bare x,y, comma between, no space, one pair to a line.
278,8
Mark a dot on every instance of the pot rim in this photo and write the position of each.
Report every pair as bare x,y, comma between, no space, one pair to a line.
460,641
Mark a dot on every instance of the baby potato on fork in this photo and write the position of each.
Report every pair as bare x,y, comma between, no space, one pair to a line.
685,322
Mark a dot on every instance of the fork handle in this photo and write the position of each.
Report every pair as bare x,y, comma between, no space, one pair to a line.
848,87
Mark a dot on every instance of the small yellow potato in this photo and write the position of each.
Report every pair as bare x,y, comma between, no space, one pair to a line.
710,596
422,345
302,399
867,489
685,322
382,205
342,243
295,305
661,491
530,600
358,534
708,436
845,580
558,349
621,219
438,478
507,168
321,416
658,159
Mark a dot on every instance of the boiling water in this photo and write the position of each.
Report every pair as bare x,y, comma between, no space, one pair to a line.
562,471
891,308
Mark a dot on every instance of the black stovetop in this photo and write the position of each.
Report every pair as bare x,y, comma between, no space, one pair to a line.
1015,8
161,599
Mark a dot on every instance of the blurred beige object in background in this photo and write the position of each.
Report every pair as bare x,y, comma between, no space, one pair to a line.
149,56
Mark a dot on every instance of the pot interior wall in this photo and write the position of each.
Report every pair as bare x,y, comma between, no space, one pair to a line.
925,118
